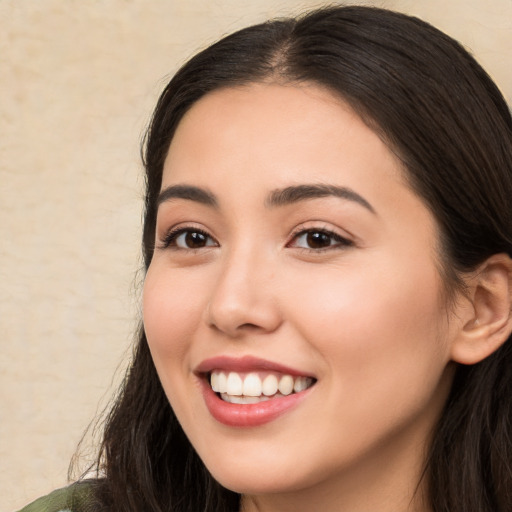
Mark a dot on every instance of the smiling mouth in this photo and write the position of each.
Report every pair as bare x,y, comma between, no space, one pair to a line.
255,387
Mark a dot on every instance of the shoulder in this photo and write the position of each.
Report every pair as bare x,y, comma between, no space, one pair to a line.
75,498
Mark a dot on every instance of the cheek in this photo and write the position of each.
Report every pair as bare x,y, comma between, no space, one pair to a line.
381,339
170,311
374,323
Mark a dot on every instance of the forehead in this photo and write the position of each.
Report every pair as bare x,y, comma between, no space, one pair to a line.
282,132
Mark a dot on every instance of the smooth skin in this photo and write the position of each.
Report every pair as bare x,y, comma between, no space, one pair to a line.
347,289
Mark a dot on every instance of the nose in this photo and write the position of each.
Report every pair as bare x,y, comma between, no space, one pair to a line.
243,299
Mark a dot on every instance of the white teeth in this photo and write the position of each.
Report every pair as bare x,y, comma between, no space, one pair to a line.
252,385
234,384
269,386
222,383
252,389
301,383
243,399
286,384
214,382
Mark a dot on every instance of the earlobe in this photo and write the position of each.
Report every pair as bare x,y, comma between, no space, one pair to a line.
488,323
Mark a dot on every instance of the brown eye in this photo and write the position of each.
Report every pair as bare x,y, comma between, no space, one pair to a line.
195,240
317,239
189,239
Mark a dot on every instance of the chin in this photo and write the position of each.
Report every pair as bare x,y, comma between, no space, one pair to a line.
253,485
255,479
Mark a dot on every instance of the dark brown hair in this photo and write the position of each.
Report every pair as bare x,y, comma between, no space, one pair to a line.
438,110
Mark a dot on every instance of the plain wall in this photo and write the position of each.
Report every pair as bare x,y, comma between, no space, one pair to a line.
78,80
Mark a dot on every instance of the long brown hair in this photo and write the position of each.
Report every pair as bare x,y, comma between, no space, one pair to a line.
438,110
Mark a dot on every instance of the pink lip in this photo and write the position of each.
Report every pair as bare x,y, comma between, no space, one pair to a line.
249,415
246,415
245,364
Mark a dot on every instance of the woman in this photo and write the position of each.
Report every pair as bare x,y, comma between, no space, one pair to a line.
327,302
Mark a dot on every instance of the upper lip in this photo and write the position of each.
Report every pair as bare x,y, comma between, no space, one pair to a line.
246,364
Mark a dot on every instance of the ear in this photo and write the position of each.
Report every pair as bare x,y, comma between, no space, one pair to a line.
487,322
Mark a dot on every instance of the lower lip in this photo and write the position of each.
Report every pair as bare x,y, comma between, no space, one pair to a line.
249,415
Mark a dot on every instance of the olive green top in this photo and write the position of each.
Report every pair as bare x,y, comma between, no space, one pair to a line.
74,498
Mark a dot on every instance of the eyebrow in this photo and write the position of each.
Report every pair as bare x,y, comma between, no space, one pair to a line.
298,193
199,195
278,197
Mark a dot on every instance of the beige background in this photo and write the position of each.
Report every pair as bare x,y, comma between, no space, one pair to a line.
78,80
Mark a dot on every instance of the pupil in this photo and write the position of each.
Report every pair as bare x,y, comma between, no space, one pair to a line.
195,240
317,240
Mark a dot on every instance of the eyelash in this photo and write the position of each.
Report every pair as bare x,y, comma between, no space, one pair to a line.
170,239
340,242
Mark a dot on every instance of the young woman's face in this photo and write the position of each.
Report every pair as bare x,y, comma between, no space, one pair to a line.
291,253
